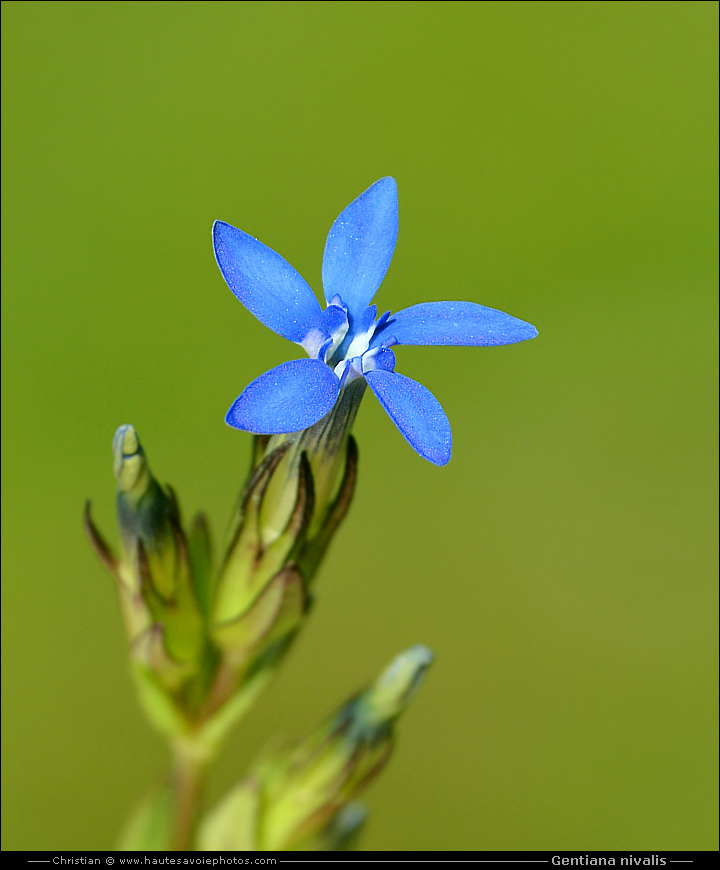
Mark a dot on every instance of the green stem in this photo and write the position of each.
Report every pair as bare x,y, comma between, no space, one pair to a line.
189,775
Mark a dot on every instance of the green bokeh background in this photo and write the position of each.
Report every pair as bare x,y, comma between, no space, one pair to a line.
554,160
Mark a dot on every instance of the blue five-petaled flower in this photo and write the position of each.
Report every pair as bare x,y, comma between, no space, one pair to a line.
345,341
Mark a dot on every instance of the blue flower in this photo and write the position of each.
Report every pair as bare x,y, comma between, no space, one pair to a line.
347,340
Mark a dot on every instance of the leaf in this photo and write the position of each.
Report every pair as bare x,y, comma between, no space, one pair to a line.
158,705
148,650
232,825
150,827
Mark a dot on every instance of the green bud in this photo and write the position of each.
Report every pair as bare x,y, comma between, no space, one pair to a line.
130,467
159,581
145,514
304,789
156,552
252,561
379,706
258,551
202,646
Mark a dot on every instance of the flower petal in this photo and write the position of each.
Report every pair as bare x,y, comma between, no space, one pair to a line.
416,413
454,323
265,283
288,398
379,358
360,245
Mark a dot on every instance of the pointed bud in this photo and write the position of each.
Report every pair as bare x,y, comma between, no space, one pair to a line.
379,706
156,552
304,789
144,513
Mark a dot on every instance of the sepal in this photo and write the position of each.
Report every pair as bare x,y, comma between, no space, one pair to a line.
278,607
200,554
233,593
103,550
314,549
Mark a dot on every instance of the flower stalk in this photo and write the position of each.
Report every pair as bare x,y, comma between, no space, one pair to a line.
190,770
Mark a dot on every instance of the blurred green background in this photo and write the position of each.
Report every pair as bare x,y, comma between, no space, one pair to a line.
554,160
